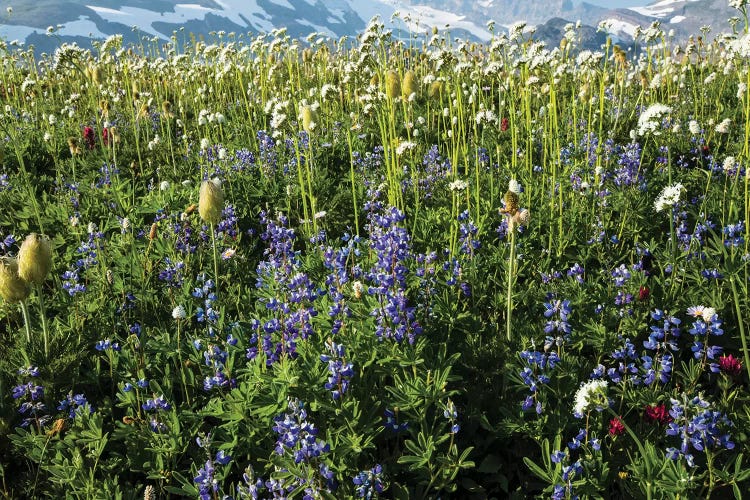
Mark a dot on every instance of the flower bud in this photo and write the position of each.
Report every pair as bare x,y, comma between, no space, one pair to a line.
392,84
35,258
211,202
12,287
436,89
409,85
309,118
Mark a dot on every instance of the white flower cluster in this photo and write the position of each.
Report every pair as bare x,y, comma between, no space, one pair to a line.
591,394
514,186
458,185
669,196
723,127
738,4
650,120
405,146
179,312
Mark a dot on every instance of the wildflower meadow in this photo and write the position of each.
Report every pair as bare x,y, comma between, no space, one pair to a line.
383,266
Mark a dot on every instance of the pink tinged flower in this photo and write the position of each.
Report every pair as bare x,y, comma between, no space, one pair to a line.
730,365
657,414
89,137
228,253
616,427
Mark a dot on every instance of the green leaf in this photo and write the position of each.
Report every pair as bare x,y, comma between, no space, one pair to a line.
536,470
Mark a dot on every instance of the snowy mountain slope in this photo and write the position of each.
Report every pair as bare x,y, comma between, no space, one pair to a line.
81,20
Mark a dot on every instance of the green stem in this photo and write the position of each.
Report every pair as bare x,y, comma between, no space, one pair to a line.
44,319
182,365
511,276
216,258
741,324
26,324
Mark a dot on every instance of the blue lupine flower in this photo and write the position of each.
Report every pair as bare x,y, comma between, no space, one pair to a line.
369,482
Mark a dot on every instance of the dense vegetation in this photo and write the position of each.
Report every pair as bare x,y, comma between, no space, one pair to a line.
375,267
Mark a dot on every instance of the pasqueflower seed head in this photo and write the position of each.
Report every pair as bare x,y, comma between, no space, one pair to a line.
35,258
12,287
211,202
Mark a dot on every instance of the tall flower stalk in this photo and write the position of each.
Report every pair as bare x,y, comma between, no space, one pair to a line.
34,264
210,206
516,217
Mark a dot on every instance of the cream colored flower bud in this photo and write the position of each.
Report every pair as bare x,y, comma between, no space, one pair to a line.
35,258
409,85
211,202
12,287
309,118
436,89
392,84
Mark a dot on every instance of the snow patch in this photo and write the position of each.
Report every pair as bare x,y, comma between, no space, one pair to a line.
677,19
282,3
84,27
16,32
235,11
660,9
617,26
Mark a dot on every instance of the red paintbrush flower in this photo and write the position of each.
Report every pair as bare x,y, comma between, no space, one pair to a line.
504,124
657,414
616,427
643,293
730,365
89,137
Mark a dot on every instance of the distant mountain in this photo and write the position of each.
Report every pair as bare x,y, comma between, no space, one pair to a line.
81,20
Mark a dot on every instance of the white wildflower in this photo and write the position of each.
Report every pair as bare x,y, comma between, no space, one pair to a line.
650,120
404,147
458,185
694,127
179,313
514,187
729,163
703,312
358,288
669,196
164,185
205,143
723,127
591,394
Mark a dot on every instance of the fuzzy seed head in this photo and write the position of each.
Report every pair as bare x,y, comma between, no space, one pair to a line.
511,203
211,202
35,258
392,84
436,89
12,287
309,118
409,85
